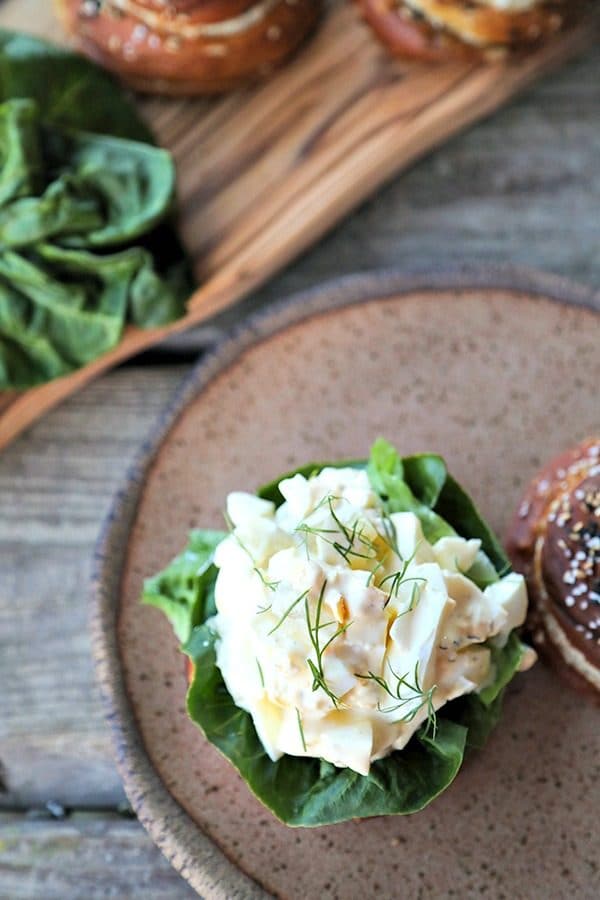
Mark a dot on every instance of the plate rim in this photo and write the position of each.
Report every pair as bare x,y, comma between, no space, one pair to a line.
188,848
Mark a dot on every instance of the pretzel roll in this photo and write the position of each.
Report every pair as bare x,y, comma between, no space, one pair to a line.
554,541
189,46
466,29
407,34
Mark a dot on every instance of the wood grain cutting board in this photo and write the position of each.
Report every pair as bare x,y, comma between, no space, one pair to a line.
263,173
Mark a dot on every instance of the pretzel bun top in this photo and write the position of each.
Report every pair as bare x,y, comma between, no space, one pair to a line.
189,46
555,541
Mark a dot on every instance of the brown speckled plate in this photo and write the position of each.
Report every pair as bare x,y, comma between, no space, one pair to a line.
496,371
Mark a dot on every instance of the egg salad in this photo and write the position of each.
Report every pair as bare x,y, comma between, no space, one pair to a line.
340,628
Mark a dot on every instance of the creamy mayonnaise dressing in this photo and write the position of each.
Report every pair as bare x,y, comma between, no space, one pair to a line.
402,625
511,5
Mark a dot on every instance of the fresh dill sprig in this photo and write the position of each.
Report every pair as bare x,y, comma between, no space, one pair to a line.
314,629
398,578
389,536
298,600
415,596
324,501
351,535
301,729
260,672
374,572
425,698
271,585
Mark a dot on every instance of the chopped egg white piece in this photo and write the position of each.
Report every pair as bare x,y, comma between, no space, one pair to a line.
340,629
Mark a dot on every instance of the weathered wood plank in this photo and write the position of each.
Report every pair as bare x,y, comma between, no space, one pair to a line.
56,487
84,857
522,187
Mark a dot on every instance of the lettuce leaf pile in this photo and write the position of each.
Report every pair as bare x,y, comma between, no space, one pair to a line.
309,792
85,239
72,91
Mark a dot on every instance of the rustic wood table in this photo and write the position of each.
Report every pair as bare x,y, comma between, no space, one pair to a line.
522,187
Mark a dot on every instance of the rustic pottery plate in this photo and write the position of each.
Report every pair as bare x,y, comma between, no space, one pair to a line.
498,371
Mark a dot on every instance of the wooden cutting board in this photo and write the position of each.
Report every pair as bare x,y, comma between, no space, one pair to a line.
263,173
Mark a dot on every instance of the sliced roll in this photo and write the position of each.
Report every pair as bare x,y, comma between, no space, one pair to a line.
189,46
554,541
471,29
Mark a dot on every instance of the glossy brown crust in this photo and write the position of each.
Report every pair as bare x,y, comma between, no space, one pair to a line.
554,540
464,29
207,46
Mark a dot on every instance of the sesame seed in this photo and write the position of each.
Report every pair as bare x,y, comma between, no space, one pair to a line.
90,8
173,43
216,50
139,33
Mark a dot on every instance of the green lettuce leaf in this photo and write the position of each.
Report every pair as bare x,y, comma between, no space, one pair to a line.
21,164
481,712
479,719
84,245
72,91
505,663
184,590
421,484
308,792
409,485
132,183
455,505
271,490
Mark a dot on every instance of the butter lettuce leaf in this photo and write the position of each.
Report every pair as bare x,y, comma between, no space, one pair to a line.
310,792
184,589
481,712
455,505
71,90
412,484
505,663
132,183
85,245
271,490
79,169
